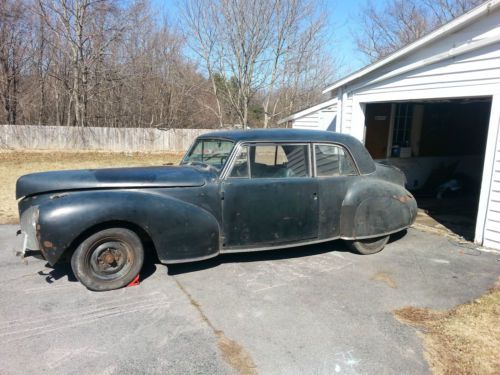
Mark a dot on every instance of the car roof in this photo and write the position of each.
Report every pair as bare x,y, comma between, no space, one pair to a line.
362,157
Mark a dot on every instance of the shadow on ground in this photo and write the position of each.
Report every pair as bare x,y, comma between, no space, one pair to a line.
63,270
457,214
258,256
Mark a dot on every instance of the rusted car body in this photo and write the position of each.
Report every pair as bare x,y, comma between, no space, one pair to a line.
234,191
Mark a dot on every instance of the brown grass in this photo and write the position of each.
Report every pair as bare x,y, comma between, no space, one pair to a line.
14,164
463,340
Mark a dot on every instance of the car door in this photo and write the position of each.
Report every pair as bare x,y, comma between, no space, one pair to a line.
269,196
335,171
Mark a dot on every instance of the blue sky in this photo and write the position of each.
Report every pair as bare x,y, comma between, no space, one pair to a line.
342,15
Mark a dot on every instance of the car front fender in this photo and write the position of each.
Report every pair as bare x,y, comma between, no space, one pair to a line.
179,230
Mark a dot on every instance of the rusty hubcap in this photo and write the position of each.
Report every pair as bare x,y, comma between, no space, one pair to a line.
110,259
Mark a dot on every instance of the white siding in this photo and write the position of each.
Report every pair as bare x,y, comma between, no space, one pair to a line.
491,236
318,120
328,118
346,125
310,121
475,72
483,30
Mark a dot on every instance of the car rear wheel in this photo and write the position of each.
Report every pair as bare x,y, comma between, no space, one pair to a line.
109,259
369,245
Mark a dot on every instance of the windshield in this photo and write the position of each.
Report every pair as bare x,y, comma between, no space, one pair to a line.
213,152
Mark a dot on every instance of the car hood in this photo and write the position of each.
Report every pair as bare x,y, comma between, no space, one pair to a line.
140,177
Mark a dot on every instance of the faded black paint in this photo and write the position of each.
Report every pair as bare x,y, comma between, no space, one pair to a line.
190,213
111,178
269,211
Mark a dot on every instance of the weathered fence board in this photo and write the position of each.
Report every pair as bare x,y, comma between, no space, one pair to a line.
110,139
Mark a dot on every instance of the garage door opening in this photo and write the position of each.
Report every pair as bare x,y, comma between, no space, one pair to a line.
440,145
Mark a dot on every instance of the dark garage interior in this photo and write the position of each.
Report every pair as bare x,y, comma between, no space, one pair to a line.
440,146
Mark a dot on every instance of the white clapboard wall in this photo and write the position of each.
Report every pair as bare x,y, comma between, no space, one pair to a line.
322,119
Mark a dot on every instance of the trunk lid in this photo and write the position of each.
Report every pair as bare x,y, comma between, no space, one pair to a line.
390,172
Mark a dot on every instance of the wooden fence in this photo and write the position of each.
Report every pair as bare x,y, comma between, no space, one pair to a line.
35,137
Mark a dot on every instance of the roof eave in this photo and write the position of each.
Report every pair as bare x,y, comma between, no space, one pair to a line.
447,28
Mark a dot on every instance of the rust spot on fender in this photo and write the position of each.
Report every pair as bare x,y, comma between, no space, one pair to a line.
37,233
403,198
58,195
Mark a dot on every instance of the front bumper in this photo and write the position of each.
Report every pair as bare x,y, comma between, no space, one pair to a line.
27,243
22,249
21,243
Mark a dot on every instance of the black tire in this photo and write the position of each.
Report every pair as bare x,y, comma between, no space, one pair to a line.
109,259
369,245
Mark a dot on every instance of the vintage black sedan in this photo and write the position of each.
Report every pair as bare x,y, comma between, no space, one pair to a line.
233,191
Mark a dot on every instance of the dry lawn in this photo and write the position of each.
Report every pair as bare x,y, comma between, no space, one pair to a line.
463,340
14,164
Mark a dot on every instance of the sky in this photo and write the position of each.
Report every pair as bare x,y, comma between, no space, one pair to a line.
342,15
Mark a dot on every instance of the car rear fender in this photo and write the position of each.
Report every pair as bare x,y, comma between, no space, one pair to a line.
374,207
179,230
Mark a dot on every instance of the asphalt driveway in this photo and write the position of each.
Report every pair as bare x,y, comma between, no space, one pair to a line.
315,309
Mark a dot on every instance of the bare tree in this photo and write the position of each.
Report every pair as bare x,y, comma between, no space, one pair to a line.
158,86
198,20
384,29
87,28
296,52
230,36
14,32
444,10
249,47
120,64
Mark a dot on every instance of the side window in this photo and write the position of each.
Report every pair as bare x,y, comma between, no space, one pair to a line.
332,160
271,161
279,161
241,164
271,155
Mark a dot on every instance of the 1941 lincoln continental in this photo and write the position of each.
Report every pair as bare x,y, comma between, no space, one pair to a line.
233,191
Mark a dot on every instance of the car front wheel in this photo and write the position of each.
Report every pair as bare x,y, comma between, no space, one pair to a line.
369,245
109,259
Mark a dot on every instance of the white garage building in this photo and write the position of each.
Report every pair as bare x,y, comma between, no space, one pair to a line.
433,109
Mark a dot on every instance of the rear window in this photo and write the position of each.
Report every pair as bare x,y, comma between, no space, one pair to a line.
333,160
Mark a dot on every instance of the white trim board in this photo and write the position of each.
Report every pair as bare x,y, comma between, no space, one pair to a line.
492,148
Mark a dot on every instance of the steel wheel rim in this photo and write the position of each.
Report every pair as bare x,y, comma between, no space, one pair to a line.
110,259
